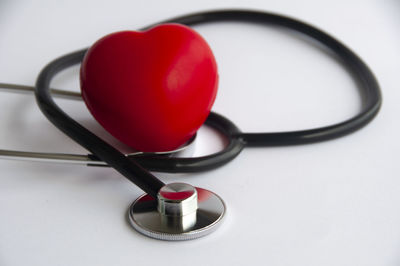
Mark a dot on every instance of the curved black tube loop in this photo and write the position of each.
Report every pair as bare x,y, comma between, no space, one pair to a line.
137,170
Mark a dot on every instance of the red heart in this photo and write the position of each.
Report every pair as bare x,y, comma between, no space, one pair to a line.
151,90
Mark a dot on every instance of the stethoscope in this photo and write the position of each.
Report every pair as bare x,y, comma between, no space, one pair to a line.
179,211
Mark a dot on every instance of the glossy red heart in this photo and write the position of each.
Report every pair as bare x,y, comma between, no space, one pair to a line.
151,90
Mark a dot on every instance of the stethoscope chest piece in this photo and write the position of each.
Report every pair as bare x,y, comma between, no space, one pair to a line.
180,212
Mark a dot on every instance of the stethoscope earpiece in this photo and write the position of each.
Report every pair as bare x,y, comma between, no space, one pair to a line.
180,212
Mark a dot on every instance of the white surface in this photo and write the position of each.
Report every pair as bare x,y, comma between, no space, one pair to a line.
332,203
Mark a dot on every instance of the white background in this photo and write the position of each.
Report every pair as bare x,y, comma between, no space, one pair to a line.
331,203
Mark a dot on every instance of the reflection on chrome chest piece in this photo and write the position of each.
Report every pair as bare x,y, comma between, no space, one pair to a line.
181,212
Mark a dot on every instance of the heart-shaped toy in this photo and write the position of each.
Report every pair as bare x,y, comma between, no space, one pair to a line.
152,90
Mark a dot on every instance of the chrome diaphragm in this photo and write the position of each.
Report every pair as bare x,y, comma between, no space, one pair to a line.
180,212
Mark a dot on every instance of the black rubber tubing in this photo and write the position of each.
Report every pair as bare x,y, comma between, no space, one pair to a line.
135,169
369,86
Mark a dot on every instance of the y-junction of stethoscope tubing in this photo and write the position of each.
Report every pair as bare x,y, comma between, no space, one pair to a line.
162,161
